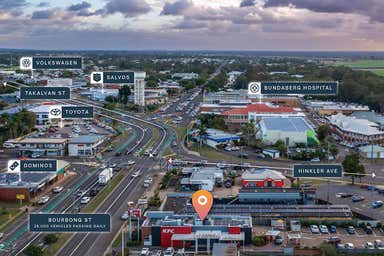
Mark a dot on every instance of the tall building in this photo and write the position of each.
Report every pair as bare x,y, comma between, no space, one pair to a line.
139,88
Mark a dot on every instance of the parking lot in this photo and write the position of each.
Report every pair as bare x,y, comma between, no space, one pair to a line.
363,207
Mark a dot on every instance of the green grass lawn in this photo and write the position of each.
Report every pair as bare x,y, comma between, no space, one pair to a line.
7,215
379,72
365,64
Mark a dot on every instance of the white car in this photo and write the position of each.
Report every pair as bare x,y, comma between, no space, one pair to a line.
349,246
57,189
221,165
43,200
169,251
144,252
369,245
314,229
85,200
379,244
136,174
323,229
130,162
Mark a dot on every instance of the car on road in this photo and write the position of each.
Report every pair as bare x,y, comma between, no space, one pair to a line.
136,174
85,200
379,244
243,155
57,189
369,245
43,200
351,230
349,246
323,229
343,195
377,204
315,159
169,251
124,216
332,229
94,191
357,198
144,252
80,193
36,155
333,240
221,165
130,162
314,229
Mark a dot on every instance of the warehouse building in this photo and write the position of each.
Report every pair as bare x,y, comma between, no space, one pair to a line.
167,229
291,130
30,183
85,145
278,195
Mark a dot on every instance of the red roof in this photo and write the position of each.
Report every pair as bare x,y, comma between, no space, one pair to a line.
258,108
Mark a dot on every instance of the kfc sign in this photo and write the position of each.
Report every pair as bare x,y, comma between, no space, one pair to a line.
169,231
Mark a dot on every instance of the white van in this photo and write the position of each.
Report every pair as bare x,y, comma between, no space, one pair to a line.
8,145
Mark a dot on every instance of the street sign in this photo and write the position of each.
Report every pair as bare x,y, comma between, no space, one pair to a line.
317,171
20,196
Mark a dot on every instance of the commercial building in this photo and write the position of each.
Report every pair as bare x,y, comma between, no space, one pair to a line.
370,116
167,229
291,130
42,146
99,94
185,76
155,96
352,129
237,117
263,195
195,178
60,82
85,145
41,112
139,89
30,183
215,137
233,75
326,108
262,178
372,152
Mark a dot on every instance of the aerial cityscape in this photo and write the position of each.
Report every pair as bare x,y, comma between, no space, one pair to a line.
190,127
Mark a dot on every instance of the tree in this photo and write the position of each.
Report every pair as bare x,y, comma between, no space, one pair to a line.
328,249
124,93
50,239
111,99
280,145
334,150
33,250
323,131
352,166
202,133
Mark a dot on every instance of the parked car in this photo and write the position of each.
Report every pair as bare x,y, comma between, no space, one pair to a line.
379,244
368,230
279,240
144,252
314,229
169,251
351,230
369,245
377,204
333,240
85,200
57,189
332,229
43,200
323,229
349,246
130,162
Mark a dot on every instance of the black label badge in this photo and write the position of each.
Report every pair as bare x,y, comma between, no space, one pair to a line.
38,165
317,171
63,222
44,93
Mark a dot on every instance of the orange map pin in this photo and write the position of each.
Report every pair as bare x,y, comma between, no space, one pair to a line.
202,201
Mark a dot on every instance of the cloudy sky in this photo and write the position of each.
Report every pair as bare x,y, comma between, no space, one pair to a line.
193,24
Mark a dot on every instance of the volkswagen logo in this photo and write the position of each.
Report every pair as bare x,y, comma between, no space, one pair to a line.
26,63
55,112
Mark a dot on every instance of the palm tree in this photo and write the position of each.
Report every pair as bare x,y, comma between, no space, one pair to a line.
202,133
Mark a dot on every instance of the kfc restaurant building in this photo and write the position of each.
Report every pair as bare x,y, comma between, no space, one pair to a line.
167,229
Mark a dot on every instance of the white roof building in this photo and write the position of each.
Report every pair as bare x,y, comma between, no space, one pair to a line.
355,125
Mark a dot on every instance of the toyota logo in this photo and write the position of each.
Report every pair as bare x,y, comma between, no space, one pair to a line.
55,112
